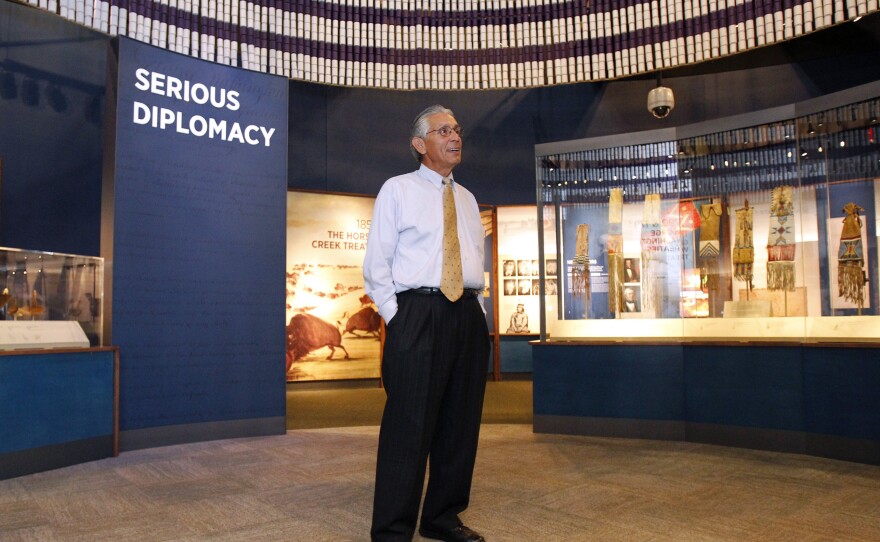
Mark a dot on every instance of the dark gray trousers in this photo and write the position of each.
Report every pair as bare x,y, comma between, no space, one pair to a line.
434,370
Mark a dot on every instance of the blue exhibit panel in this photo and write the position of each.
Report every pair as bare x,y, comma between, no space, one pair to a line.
802,398
198,244
747,386
641,382
516,353
48,399
842,392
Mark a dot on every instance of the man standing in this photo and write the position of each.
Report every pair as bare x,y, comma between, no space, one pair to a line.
424,270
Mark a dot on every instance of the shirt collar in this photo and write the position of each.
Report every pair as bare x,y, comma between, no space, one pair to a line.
433,177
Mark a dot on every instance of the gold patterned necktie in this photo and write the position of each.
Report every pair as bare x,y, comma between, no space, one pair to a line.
451,281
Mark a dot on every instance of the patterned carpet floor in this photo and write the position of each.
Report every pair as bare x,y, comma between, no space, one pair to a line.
316,485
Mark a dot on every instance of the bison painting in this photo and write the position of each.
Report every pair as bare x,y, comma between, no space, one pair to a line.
366,319
306,333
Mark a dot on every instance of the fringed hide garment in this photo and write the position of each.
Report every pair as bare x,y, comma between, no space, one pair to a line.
780,242
652,255
710,244
580,270
614,245
744,249
851,259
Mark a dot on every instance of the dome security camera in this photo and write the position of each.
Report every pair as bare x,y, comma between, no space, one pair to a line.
661,101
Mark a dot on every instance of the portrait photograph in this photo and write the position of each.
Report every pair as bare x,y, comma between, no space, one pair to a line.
525,286
509,268
632,299
631,270
509,286
519,320
524,268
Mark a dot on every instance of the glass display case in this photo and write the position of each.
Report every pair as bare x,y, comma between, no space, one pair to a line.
760,227
52,286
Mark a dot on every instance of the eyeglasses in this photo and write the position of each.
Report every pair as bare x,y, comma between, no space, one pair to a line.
446,131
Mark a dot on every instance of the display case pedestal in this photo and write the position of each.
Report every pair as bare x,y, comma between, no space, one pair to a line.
809,398
58,408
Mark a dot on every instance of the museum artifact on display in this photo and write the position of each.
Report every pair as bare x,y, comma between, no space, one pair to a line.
673,224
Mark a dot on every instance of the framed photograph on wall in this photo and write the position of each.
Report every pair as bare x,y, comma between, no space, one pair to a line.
519,271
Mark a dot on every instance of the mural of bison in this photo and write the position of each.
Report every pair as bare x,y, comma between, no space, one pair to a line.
366,319
306,333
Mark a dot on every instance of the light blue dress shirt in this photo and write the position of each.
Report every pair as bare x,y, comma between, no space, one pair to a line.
405,245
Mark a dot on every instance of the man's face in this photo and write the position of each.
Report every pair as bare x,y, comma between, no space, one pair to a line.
440,153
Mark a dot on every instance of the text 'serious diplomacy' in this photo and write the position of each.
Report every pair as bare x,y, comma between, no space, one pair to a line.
182,90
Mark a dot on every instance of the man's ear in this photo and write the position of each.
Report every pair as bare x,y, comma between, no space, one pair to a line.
418,144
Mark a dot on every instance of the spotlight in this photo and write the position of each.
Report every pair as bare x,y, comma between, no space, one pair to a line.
94,110
8,88
30,92
57,100
549,163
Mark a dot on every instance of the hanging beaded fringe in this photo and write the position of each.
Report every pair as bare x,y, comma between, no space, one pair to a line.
580,271
851,282
780,276
709,274
743,259
649,278
615,282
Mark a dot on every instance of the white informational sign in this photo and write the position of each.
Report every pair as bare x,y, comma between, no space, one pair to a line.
37,334
518,269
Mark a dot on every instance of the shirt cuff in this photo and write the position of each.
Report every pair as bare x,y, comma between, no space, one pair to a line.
388,309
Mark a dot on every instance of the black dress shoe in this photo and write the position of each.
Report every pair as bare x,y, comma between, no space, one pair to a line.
455,534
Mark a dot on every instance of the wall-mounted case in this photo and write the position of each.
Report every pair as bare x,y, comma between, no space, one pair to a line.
759,227
52,286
